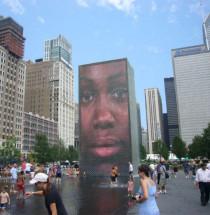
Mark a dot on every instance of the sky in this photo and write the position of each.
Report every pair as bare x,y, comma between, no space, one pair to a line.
143,31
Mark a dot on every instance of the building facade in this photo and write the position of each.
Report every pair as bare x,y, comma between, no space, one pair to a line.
154,116
76,131
33,124
58,49
49,93
191,66
171,104
166,130
139,123
12,80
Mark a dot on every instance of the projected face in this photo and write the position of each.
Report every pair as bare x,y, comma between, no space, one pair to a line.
105,134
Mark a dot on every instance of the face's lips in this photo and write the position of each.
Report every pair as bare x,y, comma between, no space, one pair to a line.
105,147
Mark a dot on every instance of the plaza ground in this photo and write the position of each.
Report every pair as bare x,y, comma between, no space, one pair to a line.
94,196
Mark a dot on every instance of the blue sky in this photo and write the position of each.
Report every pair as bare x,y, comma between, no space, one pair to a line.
144,31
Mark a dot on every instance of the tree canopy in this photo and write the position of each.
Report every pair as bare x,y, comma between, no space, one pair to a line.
9,152
179,147
143,153
160,148
41,149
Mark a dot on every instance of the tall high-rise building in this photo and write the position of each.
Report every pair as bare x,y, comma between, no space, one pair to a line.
58,49
139,123
171,104
166,130
12,79
154,116
191,66
49,93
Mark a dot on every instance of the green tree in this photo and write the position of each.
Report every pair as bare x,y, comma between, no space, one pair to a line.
160,148
205,149
143,153
41,149
195,147
54,153
73,153
179,147
8,151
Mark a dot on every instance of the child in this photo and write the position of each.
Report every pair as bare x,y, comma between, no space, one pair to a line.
4,198
20,184
130,186
193,178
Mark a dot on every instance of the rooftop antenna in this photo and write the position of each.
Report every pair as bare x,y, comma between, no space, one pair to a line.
202,13
204,27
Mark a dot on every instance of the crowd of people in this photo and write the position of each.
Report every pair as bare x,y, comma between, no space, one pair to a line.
41,176
153,181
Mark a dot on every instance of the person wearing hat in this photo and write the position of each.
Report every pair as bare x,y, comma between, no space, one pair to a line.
53,201
203,180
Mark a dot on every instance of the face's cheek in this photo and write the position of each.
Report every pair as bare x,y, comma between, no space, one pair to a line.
121,115
86,124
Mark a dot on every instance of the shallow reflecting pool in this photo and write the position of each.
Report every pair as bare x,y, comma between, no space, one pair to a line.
90,195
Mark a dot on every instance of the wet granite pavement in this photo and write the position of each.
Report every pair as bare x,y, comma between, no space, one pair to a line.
94,196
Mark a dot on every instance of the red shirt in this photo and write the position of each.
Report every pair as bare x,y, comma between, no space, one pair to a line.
23,166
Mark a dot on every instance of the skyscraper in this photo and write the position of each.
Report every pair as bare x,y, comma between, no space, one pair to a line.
49,93
191,67
154,116
166,130
12,79
171,104
58,49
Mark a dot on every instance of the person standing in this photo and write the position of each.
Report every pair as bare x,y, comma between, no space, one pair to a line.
13,172
162,182
58,174
186,169
53,201
130,168
175,167
28,169
147,193
203,180
152,170
24,166
20,184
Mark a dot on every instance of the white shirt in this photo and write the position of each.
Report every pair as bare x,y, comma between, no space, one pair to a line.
208,166
152,166
130,168
203,175
28,166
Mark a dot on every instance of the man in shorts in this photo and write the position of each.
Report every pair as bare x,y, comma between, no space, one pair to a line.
162,182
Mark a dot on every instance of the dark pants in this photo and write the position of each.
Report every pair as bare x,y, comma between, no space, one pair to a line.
205,189
158,177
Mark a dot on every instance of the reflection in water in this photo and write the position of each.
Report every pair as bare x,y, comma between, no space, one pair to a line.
84,196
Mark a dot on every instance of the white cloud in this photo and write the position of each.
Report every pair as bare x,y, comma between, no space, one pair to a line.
41,19
15,6
153,49
195,8
171,19
82,3
154,6
96,33
130,47
119,42
173,8
124,5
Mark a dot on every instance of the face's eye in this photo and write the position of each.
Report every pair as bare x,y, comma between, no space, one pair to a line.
119,94
87,97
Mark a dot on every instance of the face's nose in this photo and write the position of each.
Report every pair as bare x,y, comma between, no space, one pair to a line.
103,119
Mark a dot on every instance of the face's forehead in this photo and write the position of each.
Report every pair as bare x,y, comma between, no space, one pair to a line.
103,71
